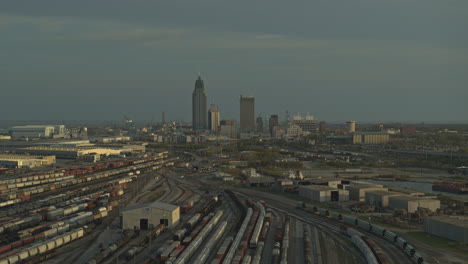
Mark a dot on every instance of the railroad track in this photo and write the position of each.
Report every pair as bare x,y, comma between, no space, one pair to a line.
328,235
394,254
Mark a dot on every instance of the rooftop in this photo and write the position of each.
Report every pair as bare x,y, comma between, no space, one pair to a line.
157,205
33,126
412,198
456,220
406,191
370,133
318,187
384,193
366,186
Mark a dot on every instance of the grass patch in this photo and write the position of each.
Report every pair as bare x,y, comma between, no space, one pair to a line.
439,242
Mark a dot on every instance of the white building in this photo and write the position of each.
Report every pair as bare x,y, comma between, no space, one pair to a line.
322,193
149,215
297,175
411,203
293,131
33,131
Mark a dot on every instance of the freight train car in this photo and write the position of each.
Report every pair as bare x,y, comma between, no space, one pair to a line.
369,227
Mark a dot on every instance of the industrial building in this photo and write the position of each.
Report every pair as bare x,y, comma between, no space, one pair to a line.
321,193
69,153
358,192
261,181
149,215
450,227
33,131
379,199
370,137
412,203
25,161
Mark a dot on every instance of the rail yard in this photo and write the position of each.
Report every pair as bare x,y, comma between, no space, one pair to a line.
72,216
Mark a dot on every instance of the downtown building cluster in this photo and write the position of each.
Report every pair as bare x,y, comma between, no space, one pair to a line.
249,125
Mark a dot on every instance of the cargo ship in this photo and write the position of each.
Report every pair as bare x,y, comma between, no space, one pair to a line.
451,188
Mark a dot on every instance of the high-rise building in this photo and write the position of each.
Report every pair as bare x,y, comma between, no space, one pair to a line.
307,123
199,106
259,124
247,113
351,126
323,127
272,122
228,128
213,118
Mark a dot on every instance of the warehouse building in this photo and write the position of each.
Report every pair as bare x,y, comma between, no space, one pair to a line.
412,203
33,131
406,191
358,192
370,137
379,199
450,227
149,215
261,181
69,153
25,161
321,193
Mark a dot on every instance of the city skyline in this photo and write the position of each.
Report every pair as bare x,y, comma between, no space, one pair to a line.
324,58
314,131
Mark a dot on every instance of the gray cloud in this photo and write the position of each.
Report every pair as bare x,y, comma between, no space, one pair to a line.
365,60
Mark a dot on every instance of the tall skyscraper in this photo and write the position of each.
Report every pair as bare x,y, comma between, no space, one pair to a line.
307,123
199,106
323,127
247,114
213,118
272,122
260,124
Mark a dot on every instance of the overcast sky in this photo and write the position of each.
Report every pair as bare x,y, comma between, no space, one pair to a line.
366,60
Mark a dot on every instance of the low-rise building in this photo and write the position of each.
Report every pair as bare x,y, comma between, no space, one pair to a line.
450,227
261,181
25,161
69,153
321,193
370,137
32,131
149,215
412,203
379,199
358,192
